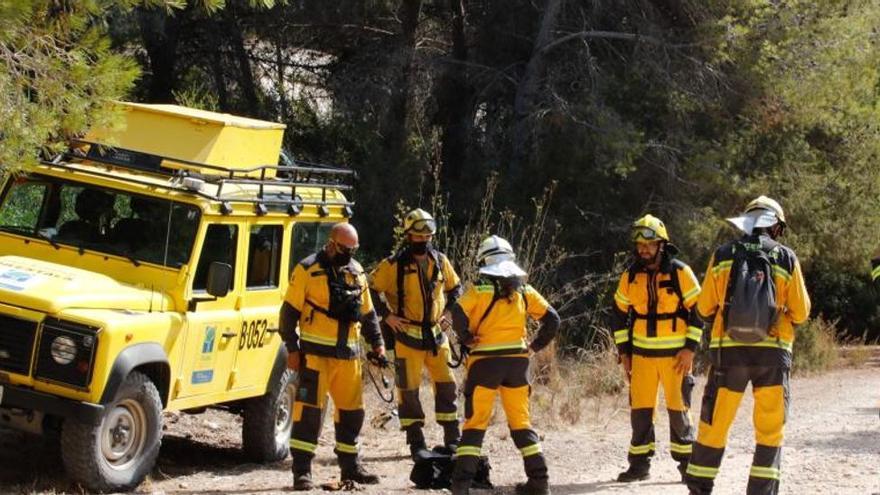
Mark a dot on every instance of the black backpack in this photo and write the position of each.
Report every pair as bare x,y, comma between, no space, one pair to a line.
434,471
750,308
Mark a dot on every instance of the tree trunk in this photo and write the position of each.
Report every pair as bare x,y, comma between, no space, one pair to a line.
455,101
395,122
283,105
527,93
216,58
160,33
245,74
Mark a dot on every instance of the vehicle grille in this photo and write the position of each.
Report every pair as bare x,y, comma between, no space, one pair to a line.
16,344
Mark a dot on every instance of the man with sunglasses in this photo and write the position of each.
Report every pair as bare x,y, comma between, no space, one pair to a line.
656,332
329,301
413,290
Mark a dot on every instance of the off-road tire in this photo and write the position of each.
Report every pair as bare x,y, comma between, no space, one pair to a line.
89,461
265,433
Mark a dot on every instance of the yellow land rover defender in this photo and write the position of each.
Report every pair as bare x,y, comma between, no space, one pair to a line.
147,276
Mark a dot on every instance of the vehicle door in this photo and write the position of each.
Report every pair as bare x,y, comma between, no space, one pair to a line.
212,325
258,339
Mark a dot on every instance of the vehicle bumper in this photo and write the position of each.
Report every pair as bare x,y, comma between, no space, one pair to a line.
23,398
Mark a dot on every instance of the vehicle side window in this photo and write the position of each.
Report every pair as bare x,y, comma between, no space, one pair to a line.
220,245
22,209
264,256
308,237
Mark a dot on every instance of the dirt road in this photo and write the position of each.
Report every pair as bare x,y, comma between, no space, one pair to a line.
832,446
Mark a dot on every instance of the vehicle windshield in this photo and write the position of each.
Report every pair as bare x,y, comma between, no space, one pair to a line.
140,228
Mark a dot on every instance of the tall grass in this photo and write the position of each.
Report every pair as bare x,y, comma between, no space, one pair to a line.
582,375
815,346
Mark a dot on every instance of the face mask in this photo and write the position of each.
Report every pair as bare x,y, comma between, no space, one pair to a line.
419,247
341,259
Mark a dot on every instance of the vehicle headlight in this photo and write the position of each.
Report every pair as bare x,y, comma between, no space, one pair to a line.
63,349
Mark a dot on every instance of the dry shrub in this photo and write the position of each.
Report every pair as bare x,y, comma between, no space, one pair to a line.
583,375
815,346
858,356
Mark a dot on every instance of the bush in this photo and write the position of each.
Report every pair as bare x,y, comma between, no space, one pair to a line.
815,346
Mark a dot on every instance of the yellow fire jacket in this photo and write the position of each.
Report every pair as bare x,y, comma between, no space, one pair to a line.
791,298
494,325
425,295
307,303
653,311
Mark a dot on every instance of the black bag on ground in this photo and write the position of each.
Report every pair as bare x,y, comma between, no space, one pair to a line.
434,471
750,309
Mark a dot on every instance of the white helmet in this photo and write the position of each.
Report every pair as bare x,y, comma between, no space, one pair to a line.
495,258
762,212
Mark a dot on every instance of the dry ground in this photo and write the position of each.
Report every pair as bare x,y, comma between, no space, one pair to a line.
832,446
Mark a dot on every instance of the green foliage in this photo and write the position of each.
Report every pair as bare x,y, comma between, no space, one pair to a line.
683,109
20,212
58,77
197,95
59,73
805,133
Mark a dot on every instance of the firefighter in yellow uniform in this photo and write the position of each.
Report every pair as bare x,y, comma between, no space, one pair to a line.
491,319
412,291
765,363
657,332
328,299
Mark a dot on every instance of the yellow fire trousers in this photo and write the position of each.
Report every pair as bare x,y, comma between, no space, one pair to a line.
409,363
648,375
487,378
724,391
318,376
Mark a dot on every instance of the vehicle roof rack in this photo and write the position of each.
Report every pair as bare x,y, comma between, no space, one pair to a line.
284,179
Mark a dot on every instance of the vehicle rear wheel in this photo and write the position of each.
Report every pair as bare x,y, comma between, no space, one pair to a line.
117,453
268,420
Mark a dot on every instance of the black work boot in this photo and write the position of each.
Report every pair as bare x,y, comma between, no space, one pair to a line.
461,487
353,470
302,473
635,473
302,482
533,486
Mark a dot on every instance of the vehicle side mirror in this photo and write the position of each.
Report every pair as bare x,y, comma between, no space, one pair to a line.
219,278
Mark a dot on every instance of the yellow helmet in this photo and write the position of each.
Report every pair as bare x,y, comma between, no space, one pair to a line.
419,221
765,203
649,228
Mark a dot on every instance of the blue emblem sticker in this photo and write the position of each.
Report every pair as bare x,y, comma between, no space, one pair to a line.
16,280
202,376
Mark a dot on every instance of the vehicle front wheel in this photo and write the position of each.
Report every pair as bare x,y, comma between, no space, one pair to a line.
268,420
118,452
